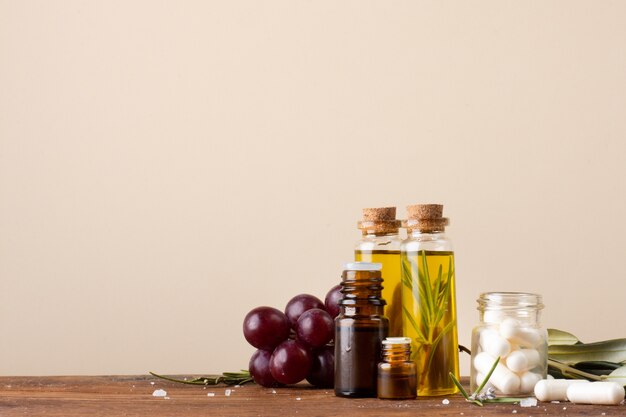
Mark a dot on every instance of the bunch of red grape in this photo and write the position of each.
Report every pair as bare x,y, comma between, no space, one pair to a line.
296,344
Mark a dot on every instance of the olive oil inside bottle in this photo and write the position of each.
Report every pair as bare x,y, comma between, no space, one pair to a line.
429,318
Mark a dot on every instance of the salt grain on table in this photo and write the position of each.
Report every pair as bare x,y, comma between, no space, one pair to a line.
227,392
159,393
445,401
210,394
514,411
528,402
273,391
298,398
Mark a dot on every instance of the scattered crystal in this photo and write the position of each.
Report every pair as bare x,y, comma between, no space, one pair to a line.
273,391
445,401
298,398
210,394
227,392
159,393
528,402
151,383
514,411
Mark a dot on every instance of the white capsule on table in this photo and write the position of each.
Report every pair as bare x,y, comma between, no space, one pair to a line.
555,389
502,378
514,332
522,360
494,344
601,393
528,380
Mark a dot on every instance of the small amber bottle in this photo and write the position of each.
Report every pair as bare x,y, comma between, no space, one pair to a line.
397,373
360,329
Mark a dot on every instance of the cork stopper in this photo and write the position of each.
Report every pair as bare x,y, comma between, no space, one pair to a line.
380,220
426,218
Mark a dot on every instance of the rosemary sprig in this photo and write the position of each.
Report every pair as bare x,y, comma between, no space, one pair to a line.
228,378
432,299
478,398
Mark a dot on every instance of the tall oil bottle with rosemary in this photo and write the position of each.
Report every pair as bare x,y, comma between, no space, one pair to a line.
429,299
380,243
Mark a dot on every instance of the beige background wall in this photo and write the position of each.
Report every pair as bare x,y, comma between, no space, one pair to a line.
167,166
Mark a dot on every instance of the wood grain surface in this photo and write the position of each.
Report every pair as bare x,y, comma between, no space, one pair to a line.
132,396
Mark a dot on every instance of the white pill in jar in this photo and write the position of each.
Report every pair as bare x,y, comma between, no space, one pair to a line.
555,389
522,360
491,342
506,381
528,380
480,377
514,332
600,393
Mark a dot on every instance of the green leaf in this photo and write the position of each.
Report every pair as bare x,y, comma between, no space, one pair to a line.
425,277
443,332
420,336
607,351
228,378
562,370
462,390
559,337
597,367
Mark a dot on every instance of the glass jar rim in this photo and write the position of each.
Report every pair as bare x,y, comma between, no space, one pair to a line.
509,301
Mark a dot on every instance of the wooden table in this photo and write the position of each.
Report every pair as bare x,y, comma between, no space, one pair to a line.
132,396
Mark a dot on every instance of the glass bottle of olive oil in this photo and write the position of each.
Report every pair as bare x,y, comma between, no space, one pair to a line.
381,244
429,299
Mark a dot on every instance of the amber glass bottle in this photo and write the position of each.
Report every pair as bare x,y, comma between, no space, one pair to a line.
397,373
381,243
360,329
428,299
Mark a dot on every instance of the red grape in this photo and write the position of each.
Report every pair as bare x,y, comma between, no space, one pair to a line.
332,300
290,363
299,304
265,327
260,369
322,374
315,328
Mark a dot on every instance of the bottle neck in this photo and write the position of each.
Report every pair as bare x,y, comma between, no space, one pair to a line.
362,293
427,234
393,353
372,234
